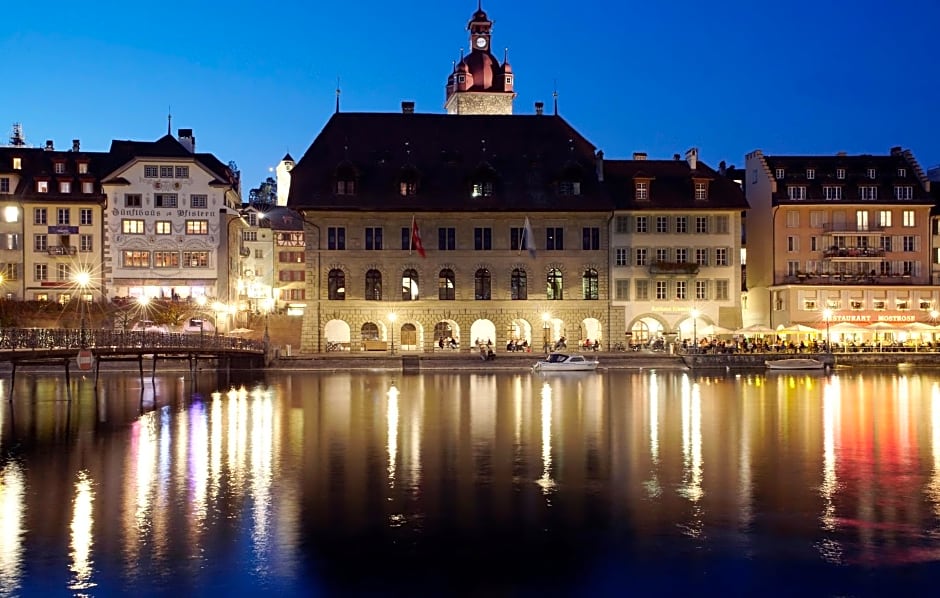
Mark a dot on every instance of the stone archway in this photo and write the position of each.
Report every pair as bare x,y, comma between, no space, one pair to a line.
482,331
444,332
591,330
643,329
337,335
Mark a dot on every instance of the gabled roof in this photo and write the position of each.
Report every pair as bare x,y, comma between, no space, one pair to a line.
123,152
671,186
524,154
38,164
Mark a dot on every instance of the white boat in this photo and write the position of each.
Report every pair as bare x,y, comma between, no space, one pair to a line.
795,363
562,362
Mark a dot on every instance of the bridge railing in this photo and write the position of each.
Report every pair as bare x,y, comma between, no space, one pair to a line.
71,338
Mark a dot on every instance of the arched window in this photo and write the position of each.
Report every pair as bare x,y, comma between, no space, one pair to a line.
446,289
409,285
373,285
481,285
519,288
370,332
345,180
555,285
589,284
336,285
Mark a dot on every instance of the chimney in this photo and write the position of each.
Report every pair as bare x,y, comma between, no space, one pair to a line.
76,145
187,139
539,108
49,145
676,157
599,165
896,150
722,168
407,107
691,156
639,155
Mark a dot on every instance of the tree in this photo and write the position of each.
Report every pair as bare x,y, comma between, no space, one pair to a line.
265,195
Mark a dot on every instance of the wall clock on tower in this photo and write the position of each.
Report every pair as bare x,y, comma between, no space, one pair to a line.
481,42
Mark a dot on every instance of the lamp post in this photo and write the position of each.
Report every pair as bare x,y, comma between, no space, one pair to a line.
694,313
545,332
82,279
391,330
827,315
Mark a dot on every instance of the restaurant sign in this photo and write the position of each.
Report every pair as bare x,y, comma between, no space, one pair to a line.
869,318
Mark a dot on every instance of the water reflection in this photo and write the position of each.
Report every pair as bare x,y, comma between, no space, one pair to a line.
313,479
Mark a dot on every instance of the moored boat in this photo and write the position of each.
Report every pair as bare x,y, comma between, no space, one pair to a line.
563,362
795,363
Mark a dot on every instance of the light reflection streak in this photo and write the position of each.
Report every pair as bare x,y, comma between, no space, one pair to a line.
144,451
198,462
81,527
215,446
546,481
830,550
391,416
12,510
653,487
933,488
262,456
692,453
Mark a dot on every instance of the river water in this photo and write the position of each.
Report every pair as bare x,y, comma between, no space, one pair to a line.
604,483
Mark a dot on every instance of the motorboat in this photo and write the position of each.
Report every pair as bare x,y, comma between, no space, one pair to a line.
795,363
563,362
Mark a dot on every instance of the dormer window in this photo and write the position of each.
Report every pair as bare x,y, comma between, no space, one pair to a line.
569,182
642,190
902,173
483,183
569,188
408,188
871,173
17,163
83,168
840,173
796,192
42,186
482,189
779,173
408,183
810,174
345,180
701,190
509,80
65,187
59,167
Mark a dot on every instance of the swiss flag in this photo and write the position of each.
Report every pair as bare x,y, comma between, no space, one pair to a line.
416,238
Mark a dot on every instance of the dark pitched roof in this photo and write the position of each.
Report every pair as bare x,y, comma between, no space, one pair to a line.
856,174
525,156
671,185
38,164
124,151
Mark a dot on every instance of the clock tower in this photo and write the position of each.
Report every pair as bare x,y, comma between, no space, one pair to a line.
479,84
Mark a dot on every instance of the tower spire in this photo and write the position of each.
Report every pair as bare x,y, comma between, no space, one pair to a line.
169,120
555,97
337,95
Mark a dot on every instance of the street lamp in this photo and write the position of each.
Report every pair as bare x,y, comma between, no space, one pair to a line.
545,332
391,329
827,315
694,313
83,280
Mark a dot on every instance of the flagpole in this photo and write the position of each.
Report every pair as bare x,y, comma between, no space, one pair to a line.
411,236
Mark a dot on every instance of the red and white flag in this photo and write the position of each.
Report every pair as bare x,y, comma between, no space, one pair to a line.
416,238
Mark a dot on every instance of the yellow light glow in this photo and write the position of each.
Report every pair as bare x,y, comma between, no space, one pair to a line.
82,279
82,525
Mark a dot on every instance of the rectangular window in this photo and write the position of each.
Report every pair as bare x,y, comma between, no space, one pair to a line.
778,173
65,187
641,255
793,219
701,290
199,202
516,238
164,200
817,218
905,192
832,192
554,238
40,242
662,254
701,191
133,200
662,224
482,238
83,168
447,238
661,290
621,225
86,243
292,275
796,193
793,244
85,216
290,257
10,241
132,227
166,172
814,243
682,224
840,173
151,171
63,216
166,259
136,259
721,290
197,227
42,186
721,256
721,224
249,235
622,256
195,259
642,191
908,218
810,174
907,243
164,227
642,289
701,224
182,172
373,238
590,238
902,173
39,215
622,289
682,255
642,224
869,192
793,267
701,256
4,185
41,272
884,218
336,238
871,173
88,187
681,290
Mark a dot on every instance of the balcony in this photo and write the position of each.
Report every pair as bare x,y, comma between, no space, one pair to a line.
849,254
62,250
674,268
852,228
846,278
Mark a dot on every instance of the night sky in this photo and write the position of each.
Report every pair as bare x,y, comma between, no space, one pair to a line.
255,80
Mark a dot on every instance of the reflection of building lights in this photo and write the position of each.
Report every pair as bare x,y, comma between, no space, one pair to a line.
392,433
546,481
12,531
82,523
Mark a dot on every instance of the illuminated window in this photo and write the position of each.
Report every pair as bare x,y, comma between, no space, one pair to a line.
197,227
132,227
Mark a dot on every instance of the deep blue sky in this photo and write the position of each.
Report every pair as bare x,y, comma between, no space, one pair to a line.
257,79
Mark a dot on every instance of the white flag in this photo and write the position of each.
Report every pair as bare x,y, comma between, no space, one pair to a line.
528,238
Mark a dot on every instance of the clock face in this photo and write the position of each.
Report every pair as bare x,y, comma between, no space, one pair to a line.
481,42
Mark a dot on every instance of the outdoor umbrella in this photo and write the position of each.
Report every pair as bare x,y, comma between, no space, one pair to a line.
757,329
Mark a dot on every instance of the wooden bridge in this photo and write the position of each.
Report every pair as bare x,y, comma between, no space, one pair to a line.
88,349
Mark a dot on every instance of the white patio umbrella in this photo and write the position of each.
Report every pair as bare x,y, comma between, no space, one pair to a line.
757,329
714,330
919,327
799,329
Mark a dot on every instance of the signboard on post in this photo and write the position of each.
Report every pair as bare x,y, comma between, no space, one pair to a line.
85,359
